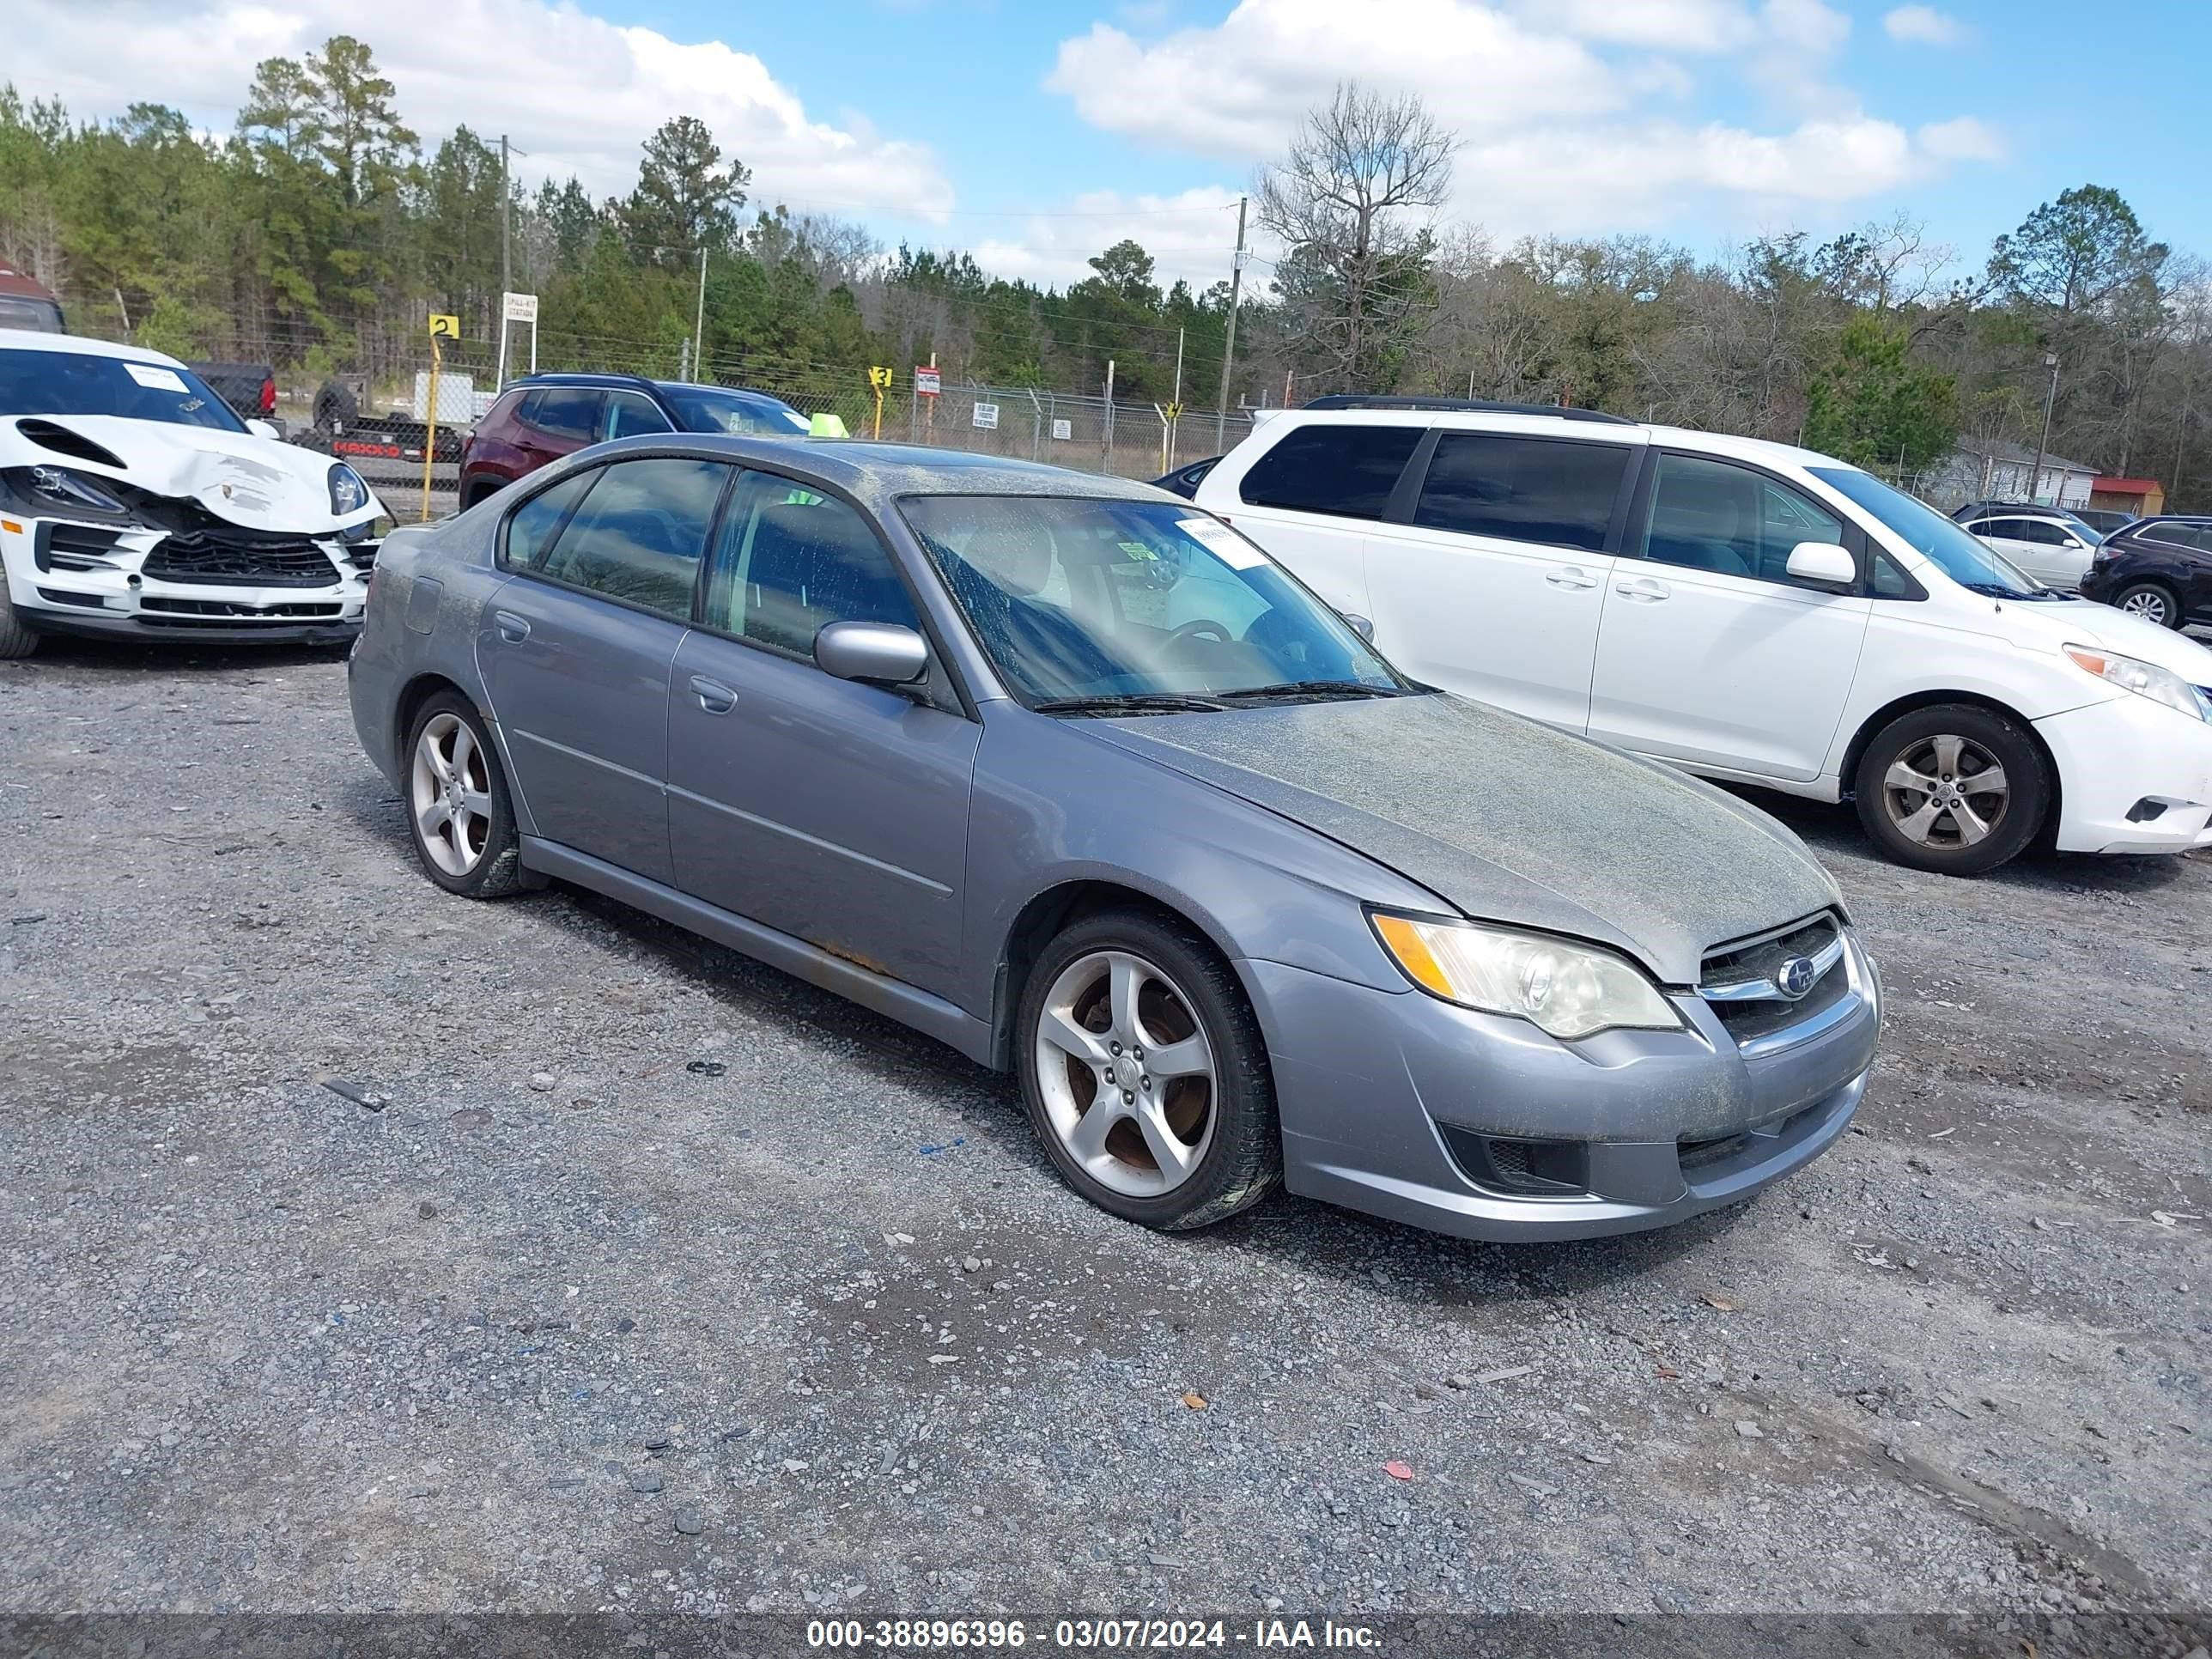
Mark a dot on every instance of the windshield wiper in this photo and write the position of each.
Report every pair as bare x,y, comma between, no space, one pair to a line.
1132,702
1300,690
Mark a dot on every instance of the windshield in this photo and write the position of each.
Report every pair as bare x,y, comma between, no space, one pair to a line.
1119,601
1956,552
78,382
702,409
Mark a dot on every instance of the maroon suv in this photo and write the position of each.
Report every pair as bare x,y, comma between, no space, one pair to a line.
545,416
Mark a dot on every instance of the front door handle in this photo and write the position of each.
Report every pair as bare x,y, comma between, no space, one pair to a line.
512,629
714,697
1643,589
1570,576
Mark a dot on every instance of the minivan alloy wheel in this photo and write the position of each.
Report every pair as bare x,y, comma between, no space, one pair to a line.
1947,791
1128,1079
450,792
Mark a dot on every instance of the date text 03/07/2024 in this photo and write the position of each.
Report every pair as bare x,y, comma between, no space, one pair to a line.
1111,1635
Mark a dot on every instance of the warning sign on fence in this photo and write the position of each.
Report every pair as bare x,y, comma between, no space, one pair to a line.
987,417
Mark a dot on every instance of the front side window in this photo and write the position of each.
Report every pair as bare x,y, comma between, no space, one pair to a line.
1095,605
1713,516
639,535
1973,564
790,560
532,527
1347,471
1523,489
565,411
80,383
630,414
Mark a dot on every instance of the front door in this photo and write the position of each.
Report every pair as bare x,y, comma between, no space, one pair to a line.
1495,588
833,812
1708,651
575,651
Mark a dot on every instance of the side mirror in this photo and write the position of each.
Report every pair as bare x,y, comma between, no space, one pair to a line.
1359,625
263,429
1823,563
875,653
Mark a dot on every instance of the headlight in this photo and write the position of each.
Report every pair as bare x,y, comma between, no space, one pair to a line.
58,489
2145,679
348,494
1564,989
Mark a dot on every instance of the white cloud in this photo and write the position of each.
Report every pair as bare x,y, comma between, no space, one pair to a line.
1191,235
577,92
1923,26
1566,108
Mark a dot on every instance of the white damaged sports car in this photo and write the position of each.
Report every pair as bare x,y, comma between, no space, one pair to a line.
134,503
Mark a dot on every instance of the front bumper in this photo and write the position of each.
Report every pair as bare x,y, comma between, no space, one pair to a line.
1388,1100
106,592
2134,777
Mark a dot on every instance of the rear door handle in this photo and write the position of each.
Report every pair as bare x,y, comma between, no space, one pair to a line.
1643,589
1570,576
714,697
512,629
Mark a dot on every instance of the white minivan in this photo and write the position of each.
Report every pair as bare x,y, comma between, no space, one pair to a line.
1746,610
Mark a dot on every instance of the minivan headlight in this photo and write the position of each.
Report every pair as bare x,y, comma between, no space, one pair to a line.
1563,989
2145,679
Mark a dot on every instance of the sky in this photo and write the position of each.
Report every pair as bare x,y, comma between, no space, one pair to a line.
1036,132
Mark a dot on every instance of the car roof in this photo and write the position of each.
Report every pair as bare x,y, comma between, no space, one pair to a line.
31,339
879,473
1539,421
596,377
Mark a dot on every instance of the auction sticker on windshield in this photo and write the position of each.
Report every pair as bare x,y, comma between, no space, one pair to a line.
155,378
1231,548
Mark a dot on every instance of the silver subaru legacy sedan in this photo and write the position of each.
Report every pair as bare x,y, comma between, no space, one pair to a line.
1068,774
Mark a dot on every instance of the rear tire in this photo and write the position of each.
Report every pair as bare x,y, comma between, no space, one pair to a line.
2153,601
17,638
1955,789
459,814
1144,1073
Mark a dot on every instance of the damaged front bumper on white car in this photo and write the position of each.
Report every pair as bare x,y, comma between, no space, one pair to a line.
118,528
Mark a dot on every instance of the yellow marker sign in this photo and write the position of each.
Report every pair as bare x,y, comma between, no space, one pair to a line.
443,328
880,379
1175,412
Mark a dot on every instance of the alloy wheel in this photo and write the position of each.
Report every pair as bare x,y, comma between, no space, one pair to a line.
450,790
1129,1078
1946,792
2148,604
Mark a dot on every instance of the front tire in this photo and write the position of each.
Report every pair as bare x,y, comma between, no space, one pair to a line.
1144,1073
459,814
1954,789
2153,601
17,638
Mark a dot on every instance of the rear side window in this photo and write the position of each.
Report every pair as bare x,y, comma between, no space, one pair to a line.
564,411
2179,535
531,530
1348,472
639,534
1524,489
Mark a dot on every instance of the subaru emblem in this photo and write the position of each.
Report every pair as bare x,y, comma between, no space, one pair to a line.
1795,977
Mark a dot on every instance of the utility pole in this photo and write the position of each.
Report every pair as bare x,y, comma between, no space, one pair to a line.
1177,420
2049,397
699,327
1229,351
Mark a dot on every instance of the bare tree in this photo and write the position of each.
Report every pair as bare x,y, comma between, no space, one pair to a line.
1349,203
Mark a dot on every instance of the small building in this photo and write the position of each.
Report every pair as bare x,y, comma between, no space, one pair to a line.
1998,470
2144,497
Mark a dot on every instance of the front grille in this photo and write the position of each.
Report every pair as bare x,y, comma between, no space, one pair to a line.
160,608
240,558
1743,983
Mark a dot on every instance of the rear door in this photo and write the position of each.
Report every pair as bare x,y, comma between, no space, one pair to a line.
1494,588
833,812
558,420
1708,651
1310,499
577,650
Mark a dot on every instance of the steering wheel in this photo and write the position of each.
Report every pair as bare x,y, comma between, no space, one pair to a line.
1202,628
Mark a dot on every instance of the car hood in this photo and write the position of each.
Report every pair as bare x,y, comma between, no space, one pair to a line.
1509,820
2054,625
257,482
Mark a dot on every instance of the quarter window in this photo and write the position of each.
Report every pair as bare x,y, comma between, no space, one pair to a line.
790,560
1524,489
532,528
1713,516
1347,471
639,534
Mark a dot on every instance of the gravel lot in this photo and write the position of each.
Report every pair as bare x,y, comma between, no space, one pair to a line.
646,1277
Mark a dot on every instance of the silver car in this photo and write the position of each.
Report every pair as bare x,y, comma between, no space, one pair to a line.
1068,774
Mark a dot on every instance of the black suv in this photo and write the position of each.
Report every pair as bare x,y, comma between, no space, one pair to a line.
2160,568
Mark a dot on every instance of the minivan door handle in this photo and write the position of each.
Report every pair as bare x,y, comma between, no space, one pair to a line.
714,697
1643,589
1570,576
512,629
